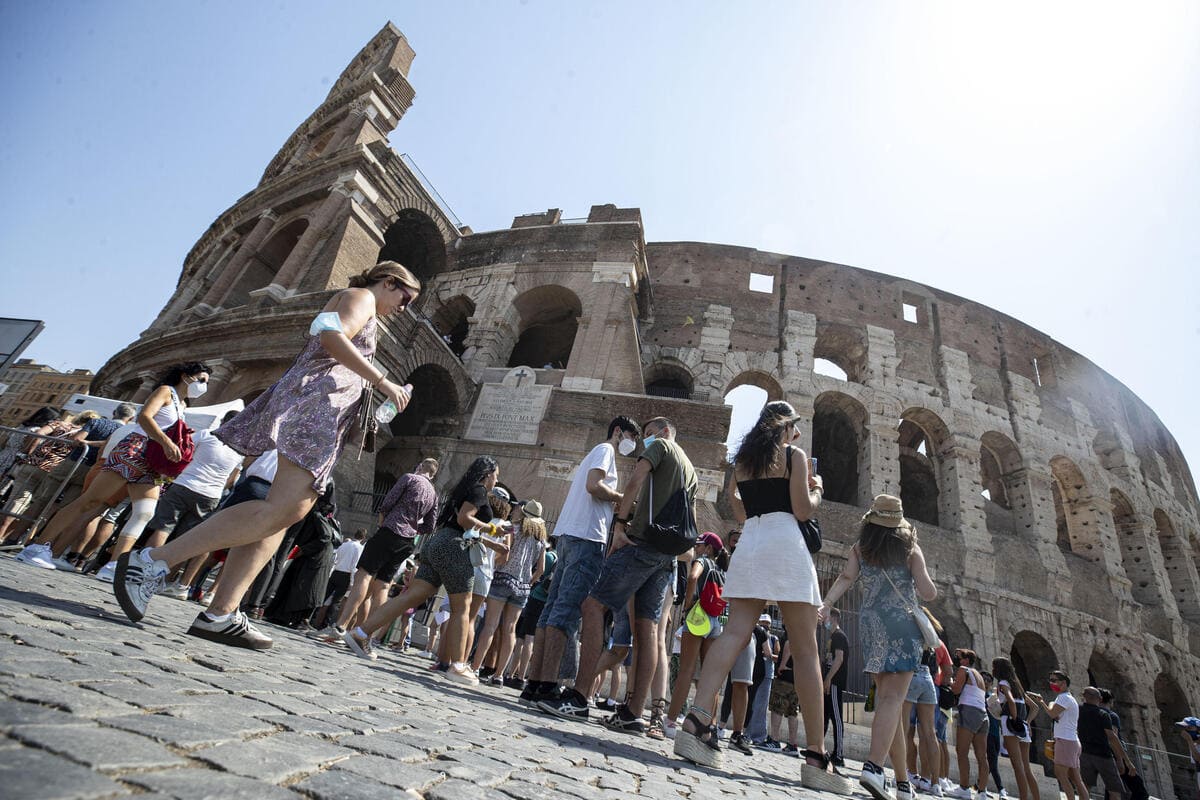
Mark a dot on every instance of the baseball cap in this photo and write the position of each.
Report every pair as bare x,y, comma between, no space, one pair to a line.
712,540
765,618
1188,722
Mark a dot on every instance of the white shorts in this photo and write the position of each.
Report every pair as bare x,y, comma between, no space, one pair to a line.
773,563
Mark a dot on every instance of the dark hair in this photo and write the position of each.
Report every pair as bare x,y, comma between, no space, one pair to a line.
384,271
43,416
230,414
480,468
721,559
969,655
833,612
885,547
762,448
175,374
360,534
625,424
1105,695
659,422
1004,671
1064,677
325,504
501,508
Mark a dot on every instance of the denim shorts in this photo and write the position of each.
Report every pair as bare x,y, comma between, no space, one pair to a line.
639,572
940,718
506,588
921,689
622,631
579,564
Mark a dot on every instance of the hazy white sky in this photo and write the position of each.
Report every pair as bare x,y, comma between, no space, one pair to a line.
1039,158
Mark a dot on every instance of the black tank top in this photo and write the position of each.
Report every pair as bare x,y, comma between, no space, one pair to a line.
766,495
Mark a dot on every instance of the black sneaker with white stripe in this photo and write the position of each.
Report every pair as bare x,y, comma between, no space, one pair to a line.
235,631
569,705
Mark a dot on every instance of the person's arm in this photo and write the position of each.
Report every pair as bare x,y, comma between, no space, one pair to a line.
1007,701
598,489
693,578
539,567
960,680
735,500
467,520
921,580
500,544
233,476
839,657
844,581
354,308
1053,709
158,398
1118,749
1192,744
806,489
786,654
625,508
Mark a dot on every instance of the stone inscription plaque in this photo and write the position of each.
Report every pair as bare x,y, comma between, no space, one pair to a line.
510,411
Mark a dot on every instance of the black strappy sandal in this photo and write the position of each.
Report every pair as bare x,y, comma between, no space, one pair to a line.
700,747
822,776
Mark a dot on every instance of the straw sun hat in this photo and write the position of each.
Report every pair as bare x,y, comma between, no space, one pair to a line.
887,511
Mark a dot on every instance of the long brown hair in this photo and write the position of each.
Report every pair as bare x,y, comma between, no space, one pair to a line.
387,270
762,449
886,547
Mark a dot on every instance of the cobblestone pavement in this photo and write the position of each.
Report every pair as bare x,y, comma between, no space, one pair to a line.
92,707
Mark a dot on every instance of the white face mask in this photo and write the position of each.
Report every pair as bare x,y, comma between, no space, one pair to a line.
197,389
626,447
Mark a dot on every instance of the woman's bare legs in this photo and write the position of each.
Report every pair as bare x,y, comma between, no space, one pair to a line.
491,623
800,620
508,636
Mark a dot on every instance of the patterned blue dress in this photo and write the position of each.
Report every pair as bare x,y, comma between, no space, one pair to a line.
890,638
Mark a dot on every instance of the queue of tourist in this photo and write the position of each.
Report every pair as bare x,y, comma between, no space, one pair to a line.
626,585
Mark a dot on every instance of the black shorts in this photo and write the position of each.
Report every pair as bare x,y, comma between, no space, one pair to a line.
527,622
384,552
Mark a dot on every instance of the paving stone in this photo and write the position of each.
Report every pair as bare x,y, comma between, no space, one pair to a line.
310,725
286,703
143,696
394,773
221,718
15,712
207,784
77,700
174,731
338,785
403,747
102,748
37,775
475,768
457,790
274,758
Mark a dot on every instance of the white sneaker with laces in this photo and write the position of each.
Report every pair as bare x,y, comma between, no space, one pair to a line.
37,555
961,793
1003,794
669,728
138,578
920,784
176,591
107,573
462,673
360,646
63,564
875,783
904,791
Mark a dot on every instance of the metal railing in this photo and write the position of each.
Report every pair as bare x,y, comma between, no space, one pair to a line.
1169,776
42,487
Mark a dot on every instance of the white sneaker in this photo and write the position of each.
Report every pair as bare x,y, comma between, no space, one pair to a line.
913,777
904,791
37,555
462,673
64,565
176,591
945,784
935,790
1003,794
138,578
961,793
875,783
669,728
920,784
360,646
107,573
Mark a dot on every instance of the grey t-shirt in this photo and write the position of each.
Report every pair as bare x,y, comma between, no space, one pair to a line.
524,554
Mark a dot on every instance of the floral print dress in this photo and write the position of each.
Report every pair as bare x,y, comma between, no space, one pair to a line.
890,638
307,413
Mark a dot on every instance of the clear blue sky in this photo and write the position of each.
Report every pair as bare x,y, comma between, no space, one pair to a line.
1039,158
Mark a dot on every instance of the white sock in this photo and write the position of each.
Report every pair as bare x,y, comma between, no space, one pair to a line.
218,617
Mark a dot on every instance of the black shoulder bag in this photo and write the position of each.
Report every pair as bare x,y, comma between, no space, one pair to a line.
810,529
674,530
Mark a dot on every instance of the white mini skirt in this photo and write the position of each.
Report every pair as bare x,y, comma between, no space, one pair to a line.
772,563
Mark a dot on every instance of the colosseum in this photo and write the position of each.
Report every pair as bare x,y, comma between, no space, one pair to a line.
1059,516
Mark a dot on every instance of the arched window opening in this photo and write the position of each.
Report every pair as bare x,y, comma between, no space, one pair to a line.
415,241
434,397
668,380
999,463
1103,673
1063,531
839,441
989,477
842,348
1072,510
1181,574
1033,659
549,322
747,402
264,265
1135,554
1169,698
762,380
918,474
451,321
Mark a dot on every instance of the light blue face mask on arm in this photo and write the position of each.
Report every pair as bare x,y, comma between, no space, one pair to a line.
325,321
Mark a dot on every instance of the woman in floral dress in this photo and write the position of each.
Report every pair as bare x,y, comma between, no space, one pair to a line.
892,568
306,415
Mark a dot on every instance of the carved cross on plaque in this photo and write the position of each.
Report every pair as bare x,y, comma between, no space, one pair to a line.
522,374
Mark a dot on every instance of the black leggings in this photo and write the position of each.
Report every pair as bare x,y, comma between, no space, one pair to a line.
993,756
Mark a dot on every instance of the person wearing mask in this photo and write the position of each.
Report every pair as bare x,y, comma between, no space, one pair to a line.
1101,748
307,416
892,567
972,718
1064,710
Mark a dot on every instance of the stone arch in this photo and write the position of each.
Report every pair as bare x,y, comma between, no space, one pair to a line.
452,322
922,439
416,241
549,321
264,263
1135,551
840,442
999,461
1033,658
669,378
762,380
1104,672
1077,530
1172,704
1178,566
845,346
434,395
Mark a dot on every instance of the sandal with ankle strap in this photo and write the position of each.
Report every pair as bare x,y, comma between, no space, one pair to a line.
700,747
822,776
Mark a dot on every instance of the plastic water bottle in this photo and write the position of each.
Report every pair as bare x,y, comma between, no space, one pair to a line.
387,410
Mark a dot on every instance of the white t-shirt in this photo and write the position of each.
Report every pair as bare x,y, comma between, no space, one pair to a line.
583,516
211,465
346,557
264,467
1067,724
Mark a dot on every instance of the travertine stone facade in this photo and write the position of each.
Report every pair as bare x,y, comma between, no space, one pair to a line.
1057,512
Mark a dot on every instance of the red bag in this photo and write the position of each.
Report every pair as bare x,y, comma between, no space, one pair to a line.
156,457
711,593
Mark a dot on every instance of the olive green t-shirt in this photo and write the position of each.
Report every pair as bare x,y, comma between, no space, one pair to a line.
669,465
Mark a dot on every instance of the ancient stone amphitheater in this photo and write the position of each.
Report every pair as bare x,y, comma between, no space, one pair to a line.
1059,516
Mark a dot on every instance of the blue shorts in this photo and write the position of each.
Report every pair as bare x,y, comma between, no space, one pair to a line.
639,572
622,630
921,689
579,564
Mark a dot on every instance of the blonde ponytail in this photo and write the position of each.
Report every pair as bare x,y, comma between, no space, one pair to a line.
386,270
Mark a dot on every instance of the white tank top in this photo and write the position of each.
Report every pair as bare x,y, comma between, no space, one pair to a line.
971,694
168,415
